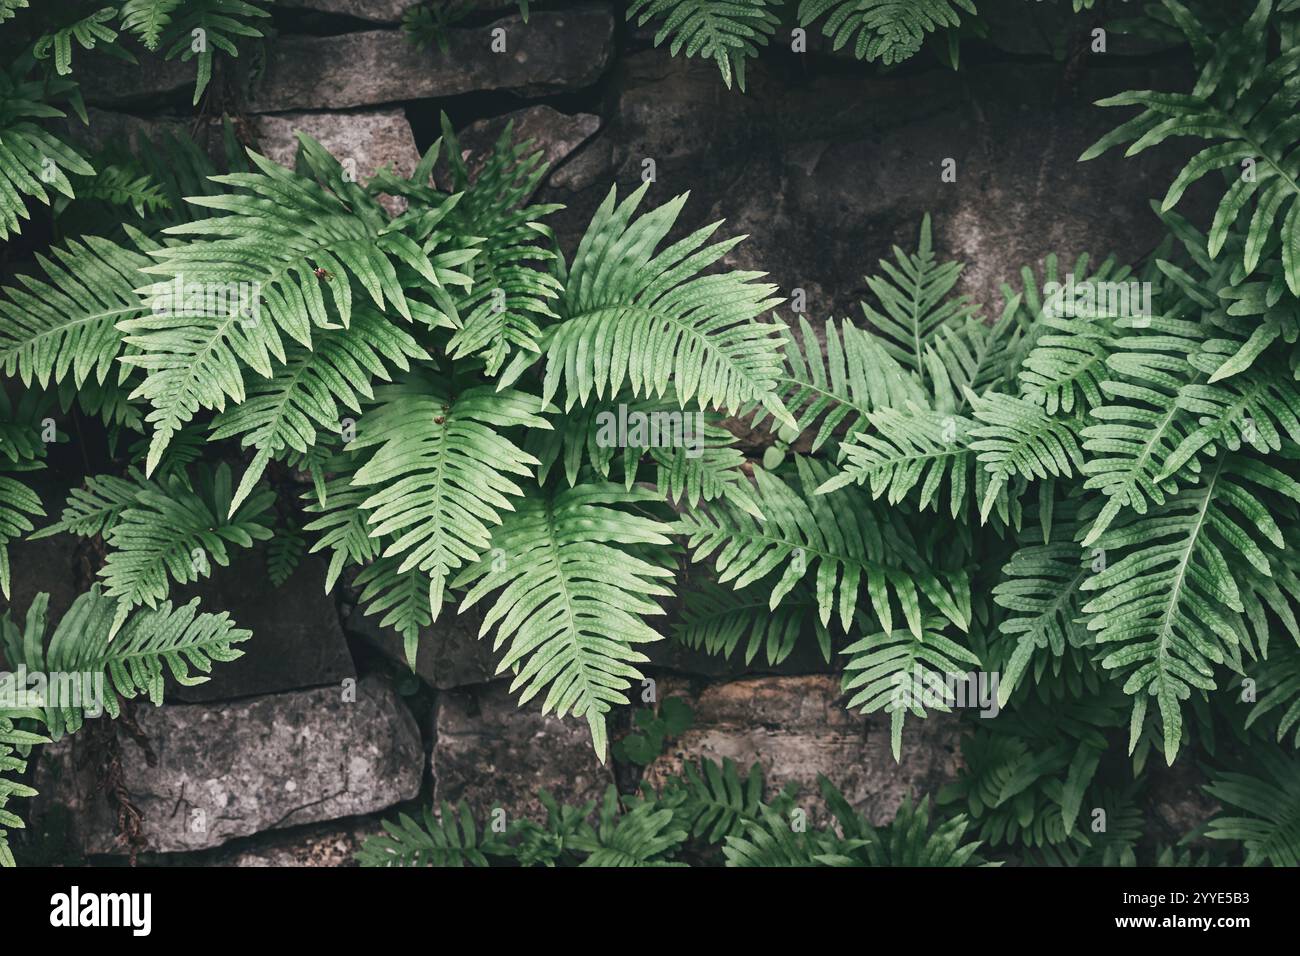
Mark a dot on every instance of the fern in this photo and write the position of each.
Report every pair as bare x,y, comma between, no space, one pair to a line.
898,672
171,531
32,159
450,839
87,32
147,19
660,320
572,592
281,229
1170,602
886,30
727,31
1245,103
1269,828
839,540
441,471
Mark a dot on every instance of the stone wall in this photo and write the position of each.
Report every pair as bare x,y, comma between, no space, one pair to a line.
288,755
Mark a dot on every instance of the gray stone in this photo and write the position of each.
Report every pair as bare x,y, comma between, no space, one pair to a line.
235,769
797,728
376,11
363,142
297,640
108,81
370,140
449,655
495,754
554,51
557,135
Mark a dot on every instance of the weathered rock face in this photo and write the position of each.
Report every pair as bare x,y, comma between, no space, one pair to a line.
554,51
826,176
376,11
450,652
297,641
797,728
234,769
495,754
556,135
363,141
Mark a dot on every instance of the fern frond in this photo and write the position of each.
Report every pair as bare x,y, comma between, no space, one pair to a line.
284,414
1269,830
572,592
646,835
835,392
177,530
95,665
147,19
31,158
441,473
727,31
450,839
263,271
837,537
63,327
645,319
900,673
913,292
1171,604
886,30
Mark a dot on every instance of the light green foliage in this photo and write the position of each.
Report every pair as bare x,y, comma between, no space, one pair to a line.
725,31
886,30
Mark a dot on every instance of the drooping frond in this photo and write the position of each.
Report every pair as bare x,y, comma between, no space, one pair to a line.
32,159
1244,104
95,666
87,31
177,529
900,673
886,30
1170,606
146,19
64,327
312,390
717,620
442,473
283,262
572,590
631,315
836,540
725,31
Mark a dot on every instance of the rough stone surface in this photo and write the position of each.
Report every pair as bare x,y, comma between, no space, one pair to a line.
555,50
370,139
108,81
234,769
376,11
297,641
557,135
495,754
797,728
450,653
826,176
